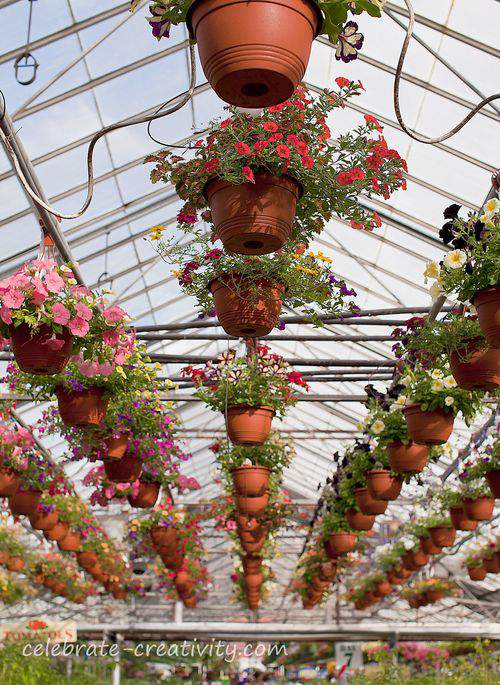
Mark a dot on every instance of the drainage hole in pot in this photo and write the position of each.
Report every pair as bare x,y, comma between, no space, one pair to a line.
250,331
253,244
254,90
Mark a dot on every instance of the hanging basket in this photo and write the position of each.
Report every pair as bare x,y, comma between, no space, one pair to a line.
115,447
146,496
189,602
251,481
34,355
164,536
254,54
479,509
242,312
359,521
253,218
44,520
460,520
475,367
411,458
24,502
81,409
71,542
87,559
476,572
252,506
383,485
248,426
493,478
434,595
9,482
492,564
428,547
442,536
342,542
487,304
15,564
430,427
253,581
126,470
57,532
251,564
367,504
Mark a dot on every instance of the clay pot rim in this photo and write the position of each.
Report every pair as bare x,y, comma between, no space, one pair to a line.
262,172
483,291
257,467
393,474
194,5
245,407
266,281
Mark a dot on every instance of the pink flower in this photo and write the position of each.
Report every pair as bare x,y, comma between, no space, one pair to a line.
193,484
113,314
78,327
60,314
13,299
83,311
111,338
5,315
54,282
110,491
40,292
121,487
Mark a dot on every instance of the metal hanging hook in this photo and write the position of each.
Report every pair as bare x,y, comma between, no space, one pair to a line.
26,61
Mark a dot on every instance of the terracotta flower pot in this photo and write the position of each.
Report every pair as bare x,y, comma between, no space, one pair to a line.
487,304
384,588
367,504
480,509
126,470
253,581
44,520
251,481
146,496
251,564
244,314
251,535
411,458
476,572
183,582
419,558
493,478
254,54
460,520
253,218
172,561
443,536
328,571
81,409
119,593
115,447
474,367
359,521
15,564
428,547
383,485
34,355
189,602
431,427
408,562
491,564
57,532
87,559
249,425
402,572
164,536
342,542
253,603
24,502
252,506
248,523
435,595
9,482
319,585
253,547
71,542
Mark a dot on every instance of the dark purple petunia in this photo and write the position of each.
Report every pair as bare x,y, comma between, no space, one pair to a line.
350,41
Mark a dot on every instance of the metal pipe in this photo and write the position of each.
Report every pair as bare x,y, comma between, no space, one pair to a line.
281,338
354,363
302,398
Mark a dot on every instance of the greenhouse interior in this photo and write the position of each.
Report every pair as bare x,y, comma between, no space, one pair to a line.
249,342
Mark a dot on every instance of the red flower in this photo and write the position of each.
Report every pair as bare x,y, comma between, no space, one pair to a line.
283,151
354,224
270,126
302,149
307,161
242,148
370,119
248,174
260,145
211,165
342,82
377,219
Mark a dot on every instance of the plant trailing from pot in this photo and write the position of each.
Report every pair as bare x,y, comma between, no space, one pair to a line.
478,502
227,36
49,317
267,179
248,391
337,534
15,441
486,465
471,270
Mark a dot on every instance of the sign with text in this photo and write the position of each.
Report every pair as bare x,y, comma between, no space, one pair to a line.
39,629
348,657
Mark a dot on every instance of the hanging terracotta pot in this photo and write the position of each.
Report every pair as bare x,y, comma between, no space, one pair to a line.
171,560
87,559
460,520
252,506
146,496
384,588
342,542
9,482
411,458
34,355
428,547
253,218
183,582
24,502
251,481
71,542
443,536
359,521
383,485
253,581
248,523
491,564
243,312
253,603
435,595
476,572
367,504
251,564
402,572
493,478
248,426
251,536
81,409
119,593
15,564
164,536
126,470
253,546
57,532
115,447
189,602
430,427
254,54
419,558
44,520
476,367
328,571
479,509
408,562
487,304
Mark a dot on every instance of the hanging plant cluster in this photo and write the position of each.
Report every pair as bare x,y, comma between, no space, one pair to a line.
482,558
314,575
429,591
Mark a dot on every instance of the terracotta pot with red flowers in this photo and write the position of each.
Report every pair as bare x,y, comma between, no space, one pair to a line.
383,485
487,304
460,520
183,582
410,458
359,521
443,536
146,495
367,504
126,470
164,536
429,427
189,602
251,481
44,519
71,542
24,502
82,409
57,532
87,559
479,508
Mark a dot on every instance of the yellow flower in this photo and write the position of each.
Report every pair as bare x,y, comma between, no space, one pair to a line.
155,233
432,270
324,258
306,270
492,206
455,259
119,370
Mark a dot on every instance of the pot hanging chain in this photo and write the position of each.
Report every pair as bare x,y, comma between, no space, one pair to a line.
184,99
397,80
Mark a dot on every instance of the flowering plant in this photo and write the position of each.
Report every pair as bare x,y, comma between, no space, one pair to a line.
488,460
436,388
262,378
473,488
11,590
474,264
14,441
387,425
449,497
165,13
293,139
275,454
43,293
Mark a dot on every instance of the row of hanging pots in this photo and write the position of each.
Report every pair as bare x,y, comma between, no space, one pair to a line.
248,426
320,582
488,565
166,542
252,579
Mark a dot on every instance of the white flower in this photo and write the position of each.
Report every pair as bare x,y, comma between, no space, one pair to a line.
436,373
435,290
450,382
455,259
401,401
432,270
492,206
378,426
449,401
437,386
406,380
